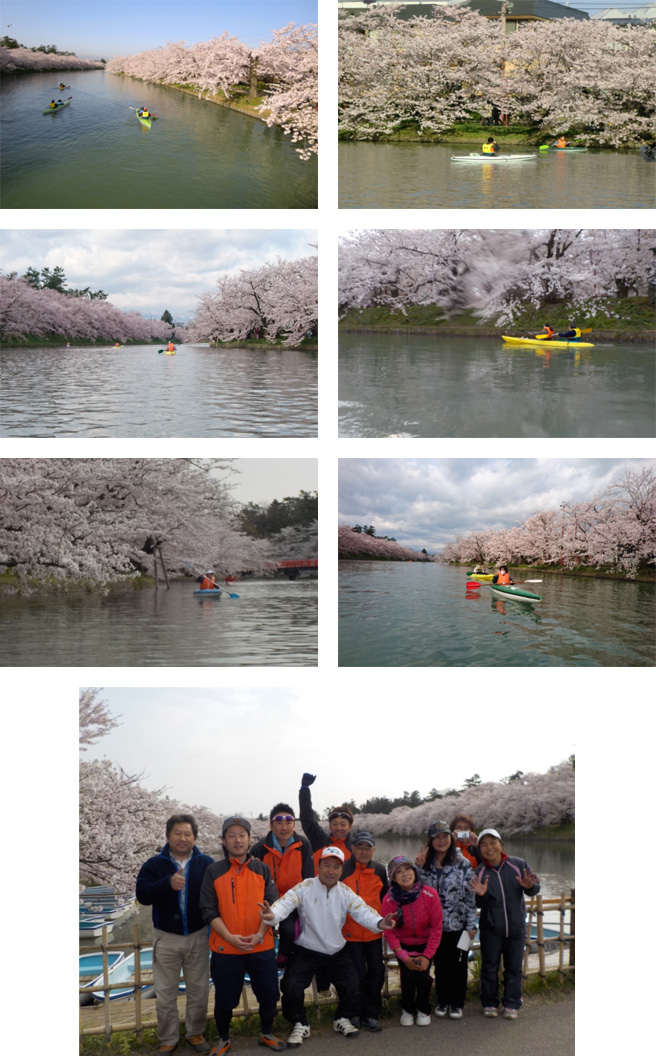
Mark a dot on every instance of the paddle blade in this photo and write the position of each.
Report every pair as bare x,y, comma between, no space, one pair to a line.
473,586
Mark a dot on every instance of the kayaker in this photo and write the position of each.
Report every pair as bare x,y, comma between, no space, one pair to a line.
548,332
502,577
171,347
561,142
573,334
367,878
53,104
499,884
144,112
478,571
491,147
451,875
208,581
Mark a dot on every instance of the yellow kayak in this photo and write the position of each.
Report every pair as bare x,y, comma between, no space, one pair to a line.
482,577
541,341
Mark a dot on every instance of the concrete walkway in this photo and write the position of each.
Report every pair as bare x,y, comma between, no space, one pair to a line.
545,1027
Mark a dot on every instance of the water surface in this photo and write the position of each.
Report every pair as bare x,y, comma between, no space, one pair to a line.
273,623
432,385
134,391
96,154
422,176
399,614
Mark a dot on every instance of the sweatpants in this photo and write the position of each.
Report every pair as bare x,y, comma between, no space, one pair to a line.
494,948
415,986
450,971
368,959
228,971
338,969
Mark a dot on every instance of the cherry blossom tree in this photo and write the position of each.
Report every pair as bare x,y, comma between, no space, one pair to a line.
287,63
362,545
95,718
29,312
495,273
12,59
85,522
588,78
278,300
615,529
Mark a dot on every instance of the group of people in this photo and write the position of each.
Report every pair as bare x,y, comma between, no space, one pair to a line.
331,902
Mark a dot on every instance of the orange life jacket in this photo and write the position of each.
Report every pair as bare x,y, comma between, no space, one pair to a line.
503,579
208,584
562,142
238,889
370,883
286,869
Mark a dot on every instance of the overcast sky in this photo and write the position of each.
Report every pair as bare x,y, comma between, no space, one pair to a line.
262,479
95,29
245,749
148,271
426,502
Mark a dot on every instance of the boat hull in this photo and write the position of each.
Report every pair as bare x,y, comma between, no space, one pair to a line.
495,158
55,109
515,592
481,577
533,341
208,593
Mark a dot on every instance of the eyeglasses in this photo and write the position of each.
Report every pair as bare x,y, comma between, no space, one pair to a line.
283,817
340,814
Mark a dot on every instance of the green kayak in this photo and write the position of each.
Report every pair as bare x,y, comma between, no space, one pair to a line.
54,109
518,593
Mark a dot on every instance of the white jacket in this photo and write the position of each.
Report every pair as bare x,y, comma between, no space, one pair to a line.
322,913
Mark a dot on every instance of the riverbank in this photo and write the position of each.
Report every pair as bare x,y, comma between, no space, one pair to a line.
243,105
605,572
269,346
477,134
24,60
59,340
632,319
14,586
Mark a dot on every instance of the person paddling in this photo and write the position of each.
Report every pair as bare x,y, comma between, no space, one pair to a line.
491,147
143,111
573,334
171,347
547,332
502,577
208,581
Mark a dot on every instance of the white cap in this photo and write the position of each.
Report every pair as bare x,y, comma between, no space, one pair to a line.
489,832
332,852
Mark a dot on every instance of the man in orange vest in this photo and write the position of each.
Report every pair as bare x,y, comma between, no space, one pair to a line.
229,898
368,879
289,857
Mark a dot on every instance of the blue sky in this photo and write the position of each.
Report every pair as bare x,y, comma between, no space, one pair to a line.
105,28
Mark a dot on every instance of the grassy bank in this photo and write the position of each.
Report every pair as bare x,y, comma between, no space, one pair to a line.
633,319
470,132
59,340
14,586
240,101
265,346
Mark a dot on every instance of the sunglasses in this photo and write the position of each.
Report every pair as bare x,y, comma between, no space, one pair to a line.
340,814
283,817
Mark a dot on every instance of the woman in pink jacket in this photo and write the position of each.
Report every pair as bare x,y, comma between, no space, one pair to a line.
415,938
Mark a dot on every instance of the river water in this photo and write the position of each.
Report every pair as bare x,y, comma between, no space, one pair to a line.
433,385
400,614
133,391
422,176
96,154
273,623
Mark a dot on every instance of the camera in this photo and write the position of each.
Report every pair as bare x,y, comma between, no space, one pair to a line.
462,834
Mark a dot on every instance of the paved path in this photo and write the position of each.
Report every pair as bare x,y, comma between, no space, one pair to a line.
545,1027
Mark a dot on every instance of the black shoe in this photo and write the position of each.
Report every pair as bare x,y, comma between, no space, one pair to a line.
371,1024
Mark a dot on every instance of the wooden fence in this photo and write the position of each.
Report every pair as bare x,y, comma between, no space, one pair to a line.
112,1017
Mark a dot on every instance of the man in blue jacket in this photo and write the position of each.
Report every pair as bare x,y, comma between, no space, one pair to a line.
170,882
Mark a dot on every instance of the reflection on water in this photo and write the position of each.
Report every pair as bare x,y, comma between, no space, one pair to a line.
133,391
422,176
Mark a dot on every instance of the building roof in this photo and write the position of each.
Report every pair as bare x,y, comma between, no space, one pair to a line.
517,9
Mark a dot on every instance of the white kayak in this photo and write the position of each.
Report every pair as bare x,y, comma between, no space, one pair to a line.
495,158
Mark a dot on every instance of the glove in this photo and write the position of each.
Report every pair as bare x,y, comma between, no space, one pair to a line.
307,780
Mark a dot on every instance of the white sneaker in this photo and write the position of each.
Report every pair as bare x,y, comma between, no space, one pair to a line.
407,1020
345,1027
298,1035
423,1020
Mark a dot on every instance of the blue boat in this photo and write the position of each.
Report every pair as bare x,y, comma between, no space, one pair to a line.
124,972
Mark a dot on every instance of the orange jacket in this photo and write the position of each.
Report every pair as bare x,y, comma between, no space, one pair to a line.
231,891
371,884
290,867
503,579
562,142
343,846
208,584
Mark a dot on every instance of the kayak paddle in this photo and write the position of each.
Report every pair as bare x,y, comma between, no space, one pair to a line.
221,589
